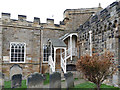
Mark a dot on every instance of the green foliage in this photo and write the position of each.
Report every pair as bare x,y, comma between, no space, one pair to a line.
62,80
97,68
75,78
7,84
47,79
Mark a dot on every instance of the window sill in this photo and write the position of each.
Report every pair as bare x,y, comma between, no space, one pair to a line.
45,62
17,62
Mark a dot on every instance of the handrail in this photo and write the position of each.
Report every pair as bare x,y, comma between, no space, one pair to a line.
68,54
63,64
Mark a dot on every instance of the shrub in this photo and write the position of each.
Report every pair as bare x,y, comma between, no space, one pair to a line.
97,68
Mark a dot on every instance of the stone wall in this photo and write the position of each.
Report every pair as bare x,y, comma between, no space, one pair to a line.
105,32
104,27
21,31
50,30
73,18
35,35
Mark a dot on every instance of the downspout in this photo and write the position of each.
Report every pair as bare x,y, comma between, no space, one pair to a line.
40,65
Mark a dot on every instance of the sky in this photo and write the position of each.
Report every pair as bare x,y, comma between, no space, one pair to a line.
46,8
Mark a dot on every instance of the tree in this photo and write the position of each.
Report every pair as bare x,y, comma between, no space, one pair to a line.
97,68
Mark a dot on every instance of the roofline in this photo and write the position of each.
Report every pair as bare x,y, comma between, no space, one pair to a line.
75,33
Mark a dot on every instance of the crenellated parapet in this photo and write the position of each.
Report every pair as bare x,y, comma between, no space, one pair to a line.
5,20
21,22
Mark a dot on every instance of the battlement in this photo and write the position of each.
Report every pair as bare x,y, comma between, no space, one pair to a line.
50,21
22,18
22,21
5,16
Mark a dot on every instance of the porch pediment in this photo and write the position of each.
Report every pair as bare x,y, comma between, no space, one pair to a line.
57,42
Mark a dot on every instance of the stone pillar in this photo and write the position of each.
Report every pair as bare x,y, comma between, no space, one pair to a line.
71,46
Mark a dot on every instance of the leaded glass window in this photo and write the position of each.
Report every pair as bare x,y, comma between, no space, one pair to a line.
17,52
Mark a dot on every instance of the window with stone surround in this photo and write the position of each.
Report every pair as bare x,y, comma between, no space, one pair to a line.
46,53
17,52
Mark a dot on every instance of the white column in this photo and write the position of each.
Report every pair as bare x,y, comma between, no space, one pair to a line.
54,57
71,46
51,48
65,60
90,33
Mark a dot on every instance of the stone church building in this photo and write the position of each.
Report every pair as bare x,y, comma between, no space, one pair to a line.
48,47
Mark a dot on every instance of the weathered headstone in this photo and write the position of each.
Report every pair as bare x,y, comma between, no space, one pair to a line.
69,80
35,81
1,80
16,81
115,80
15,69
55,80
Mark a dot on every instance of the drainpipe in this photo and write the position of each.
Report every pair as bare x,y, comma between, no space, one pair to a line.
40,62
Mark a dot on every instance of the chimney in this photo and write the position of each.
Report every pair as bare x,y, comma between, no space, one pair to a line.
50,21
22,18
36,20
6,17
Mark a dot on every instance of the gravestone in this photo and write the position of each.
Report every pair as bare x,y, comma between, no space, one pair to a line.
69,80
35,81
1,80
115,80
16,81
55,80
15,69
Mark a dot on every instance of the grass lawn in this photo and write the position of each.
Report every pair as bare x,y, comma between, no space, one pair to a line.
92,85
47,79
7,84
82,86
